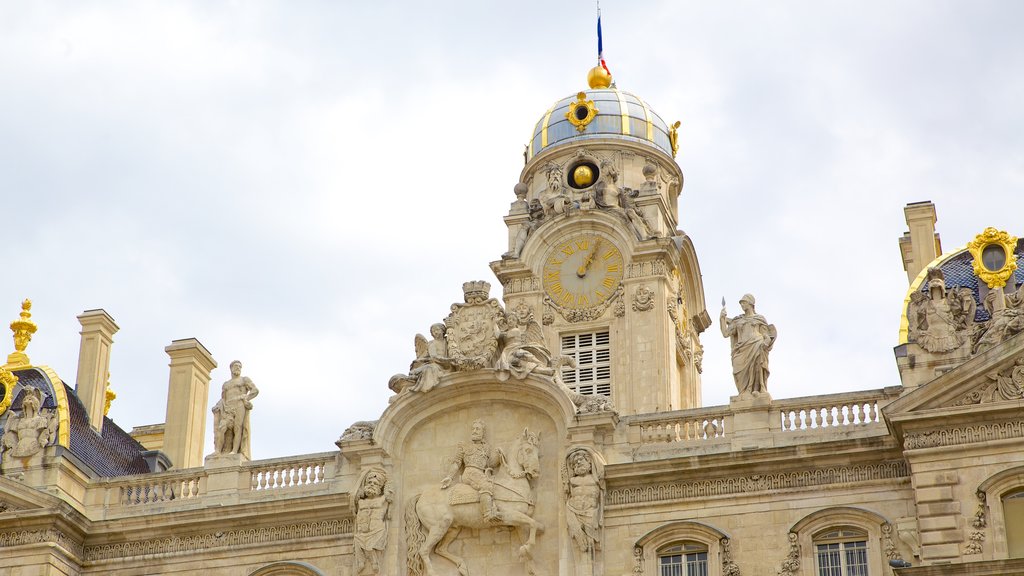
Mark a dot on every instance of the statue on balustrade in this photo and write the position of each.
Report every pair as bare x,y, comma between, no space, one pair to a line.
231,414
752,339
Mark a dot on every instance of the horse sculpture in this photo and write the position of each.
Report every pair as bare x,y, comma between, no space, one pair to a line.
432,523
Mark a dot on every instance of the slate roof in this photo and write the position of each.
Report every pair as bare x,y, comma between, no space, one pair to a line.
114,453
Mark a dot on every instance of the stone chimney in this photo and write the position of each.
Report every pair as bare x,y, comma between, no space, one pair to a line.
920,245
188,392
98,331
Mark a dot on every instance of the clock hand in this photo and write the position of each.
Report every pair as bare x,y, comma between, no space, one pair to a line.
582,270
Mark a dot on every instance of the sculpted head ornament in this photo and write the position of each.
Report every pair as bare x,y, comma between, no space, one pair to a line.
748,298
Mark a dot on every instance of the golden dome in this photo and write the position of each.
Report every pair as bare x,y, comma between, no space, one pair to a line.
598,77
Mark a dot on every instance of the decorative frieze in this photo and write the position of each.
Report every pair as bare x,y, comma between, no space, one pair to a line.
47,536
646,268
954,436
757,483
229,539
521,285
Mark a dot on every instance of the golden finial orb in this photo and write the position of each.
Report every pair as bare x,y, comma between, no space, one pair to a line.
598,77
583,176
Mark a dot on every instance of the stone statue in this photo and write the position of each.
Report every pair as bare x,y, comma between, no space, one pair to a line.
525,229
935,325
583,486
430,363
30,431
371,500
477,461
231,414
361,430
752,339
523,351
606,191
435,517
585,403
1005,322
636,220
553,198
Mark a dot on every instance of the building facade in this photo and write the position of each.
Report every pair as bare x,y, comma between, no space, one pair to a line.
506,448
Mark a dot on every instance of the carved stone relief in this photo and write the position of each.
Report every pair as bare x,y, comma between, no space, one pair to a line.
30,430
523,351
643,299
472,328
644,268
371,501
593,313
638,561
957,435
485,487
1002,386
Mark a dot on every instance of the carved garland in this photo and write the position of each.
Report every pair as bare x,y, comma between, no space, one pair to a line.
791,565
964,435
979,522
757,482
729,567
232,538
588,314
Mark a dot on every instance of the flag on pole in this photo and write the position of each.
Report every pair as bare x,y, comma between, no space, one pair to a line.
600,43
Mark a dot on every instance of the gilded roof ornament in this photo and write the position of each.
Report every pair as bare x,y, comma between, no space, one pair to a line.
994,260
673,137
599,78
23,329
581,112
7,383
109,395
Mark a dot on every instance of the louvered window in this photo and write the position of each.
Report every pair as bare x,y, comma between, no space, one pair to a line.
593,372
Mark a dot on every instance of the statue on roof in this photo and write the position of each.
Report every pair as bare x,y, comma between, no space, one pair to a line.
31,430
938,320
752,339
231,414
430,364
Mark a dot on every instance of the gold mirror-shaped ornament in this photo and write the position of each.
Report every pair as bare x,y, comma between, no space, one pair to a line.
7,383
994,260
581,112
582,271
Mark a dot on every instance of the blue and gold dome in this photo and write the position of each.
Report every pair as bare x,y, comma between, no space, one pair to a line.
600,113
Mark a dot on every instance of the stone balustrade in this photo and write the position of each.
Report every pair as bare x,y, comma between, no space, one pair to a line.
680,426
150,489
289,473
833,411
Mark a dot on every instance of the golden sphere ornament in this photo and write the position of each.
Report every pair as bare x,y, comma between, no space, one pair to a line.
583,176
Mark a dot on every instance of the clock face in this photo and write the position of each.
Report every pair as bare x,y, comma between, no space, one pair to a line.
582,271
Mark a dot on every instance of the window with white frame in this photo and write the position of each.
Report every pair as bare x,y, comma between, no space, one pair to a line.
592,352
841,552
683,559
1013,515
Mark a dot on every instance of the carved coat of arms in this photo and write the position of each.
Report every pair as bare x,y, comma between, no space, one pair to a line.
473,328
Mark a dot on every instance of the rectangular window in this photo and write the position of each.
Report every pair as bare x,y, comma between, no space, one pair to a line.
593,372
693,564
842,559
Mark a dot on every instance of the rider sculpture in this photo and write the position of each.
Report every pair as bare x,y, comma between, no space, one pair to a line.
477,461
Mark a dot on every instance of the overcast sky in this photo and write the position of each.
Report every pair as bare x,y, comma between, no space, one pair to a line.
305,185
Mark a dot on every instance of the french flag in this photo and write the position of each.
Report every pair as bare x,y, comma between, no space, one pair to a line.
600,44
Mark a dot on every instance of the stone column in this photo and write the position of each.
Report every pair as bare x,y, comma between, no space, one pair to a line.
98,330
188,393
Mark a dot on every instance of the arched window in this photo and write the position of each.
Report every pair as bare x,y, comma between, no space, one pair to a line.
288,568
681,549
841,552
1013,514
683,559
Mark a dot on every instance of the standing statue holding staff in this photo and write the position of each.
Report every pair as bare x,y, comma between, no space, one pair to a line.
752,339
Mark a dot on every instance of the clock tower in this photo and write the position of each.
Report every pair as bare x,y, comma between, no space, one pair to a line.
595,251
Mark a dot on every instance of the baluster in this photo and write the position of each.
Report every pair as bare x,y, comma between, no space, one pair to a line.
264,479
